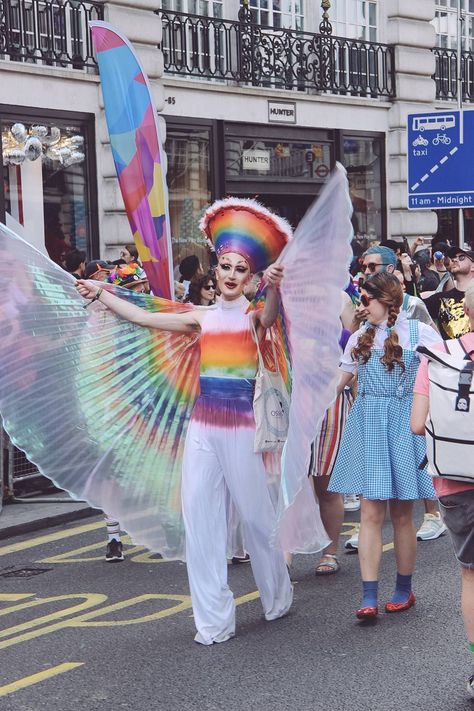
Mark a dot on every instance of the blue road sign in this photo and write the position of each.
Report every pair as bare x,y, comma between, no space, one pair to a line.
440,160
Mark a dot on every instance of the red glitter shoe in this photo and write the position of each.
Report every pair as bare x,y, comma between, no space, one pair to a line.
367,613
400,606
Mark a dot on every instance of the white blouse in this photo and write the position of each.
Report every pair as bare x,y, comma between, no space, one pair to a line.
427,336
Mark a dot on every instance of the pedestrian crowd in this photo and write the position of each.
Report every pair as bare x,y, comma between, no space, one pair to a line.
389,439
369,452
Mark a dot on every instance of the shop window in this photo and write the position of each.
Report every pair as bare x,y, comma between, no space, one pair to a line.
46,186
189,187
362,160
252,159
356,19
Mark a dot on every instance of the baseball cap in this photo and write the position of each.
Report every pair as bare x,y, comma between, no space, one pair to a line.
96,265
457,250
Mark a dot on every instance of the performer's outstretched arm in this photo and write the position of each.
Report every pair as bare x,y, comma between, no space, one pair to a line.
273,277
187,322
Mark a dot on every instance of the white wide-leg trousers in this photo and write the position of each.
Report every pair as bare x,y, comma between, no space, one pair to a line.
216,459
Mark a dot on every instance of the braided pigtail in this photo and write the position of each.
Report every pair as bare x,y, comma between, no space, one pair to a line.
392,350
386,289
362,350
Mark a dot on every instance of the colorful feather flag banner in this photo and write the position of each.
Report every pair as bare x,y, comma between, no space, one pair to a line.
137,151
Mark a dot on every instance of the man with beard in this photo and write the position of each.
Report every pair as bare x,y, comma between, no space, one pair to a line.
447,308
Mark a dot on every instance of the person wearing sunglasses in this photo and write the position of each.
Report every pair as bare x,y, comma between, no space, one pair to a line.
378,259
202,290
446,308
379,457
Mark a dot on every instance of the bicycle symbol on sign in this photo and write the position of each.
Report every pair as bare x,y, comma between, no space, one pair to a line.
441,138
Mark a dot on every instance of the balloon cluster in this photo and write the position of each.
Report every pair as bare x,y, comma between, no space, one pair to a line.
20,144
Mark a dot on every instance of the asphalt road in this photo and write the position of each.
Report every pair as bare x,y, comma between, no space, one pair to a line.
79,634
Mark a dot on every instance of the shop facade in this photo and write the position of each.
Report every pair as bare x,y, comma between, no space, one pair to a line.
50,179
282,165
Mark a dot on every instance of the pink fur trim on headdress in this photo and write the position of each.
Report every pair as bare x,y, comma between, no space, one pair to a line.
245,204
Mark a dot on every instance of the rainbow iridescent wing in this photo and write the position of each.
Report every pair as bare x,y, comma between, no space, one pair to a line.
279,337
99,405
137,152
316,267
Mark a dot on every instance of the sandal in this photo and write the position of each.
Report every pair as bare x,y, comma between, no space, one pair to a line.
327,567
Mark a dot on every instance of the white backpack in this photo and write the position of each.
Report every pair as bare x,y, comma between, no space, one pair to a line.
450,422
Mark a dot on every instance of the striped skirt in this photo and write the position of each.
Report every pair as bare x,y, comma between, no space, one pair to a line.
325,447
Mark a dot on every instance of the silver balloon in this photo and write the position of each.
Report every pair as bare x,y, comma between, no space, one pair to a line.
19,132
54,136
33,148
74,158
16,156
40,131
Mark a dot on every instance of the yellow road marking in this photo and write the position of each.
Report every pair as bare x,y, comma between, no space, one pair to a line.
90,600
50,537
39,676
147,557
13,597
247,598
184,603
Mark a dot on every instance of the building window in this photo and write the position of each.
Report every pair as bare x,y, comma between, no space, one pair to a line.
356,19
362,158
206,8
46,184
279,160
189,187
278,13
445,24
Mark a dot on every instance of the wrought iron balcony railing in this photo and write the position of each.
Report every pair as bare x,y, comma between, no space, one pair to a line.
49,32
244,52
446,74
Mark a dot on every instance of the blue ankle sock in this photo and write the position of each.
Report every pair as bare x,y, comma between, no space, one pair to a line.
370,590
402,588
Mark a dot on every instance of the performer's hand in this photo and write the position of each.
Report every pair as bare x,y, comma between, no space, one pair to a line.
273,275
87,288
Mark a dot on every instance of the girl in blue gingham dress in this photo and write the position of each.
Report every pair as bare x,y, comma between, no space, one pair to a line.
380,458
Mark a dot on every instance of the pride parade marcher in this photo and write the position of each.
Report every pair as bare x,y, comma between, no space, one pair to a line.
456,496
379,458
118,406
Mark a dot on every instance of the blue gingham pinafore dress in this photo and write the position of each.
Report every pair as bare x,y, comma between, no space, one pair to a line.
379,456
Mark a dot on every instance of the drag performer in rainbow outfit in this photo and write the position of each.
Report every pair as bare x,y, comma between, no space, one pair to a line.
121,401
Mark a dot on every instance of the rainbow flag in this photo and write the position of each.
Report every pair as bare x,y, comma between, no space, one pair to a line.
137,151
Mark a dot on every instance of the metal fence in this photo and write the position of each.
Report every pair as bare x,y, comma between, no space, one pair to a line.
49,32
446,73
245,52
17,474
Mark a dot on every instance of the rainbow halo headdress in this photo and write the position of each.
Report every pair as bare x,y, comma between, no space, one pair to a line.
247,228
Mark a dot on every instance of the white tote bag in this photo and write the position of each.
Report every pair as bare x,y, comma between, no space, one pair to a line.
271,404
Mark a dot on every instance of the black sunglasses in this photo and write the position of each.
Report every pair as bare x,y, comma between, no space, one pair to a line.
372,266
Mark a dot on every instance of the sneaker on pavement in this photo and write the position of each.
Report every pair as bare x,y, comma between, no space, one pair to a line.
470,686
114,551
432,527
352,544
238,559
351,502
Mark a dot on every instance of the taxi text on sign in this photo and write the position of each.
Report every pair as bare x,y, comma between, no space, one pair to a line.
440,164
